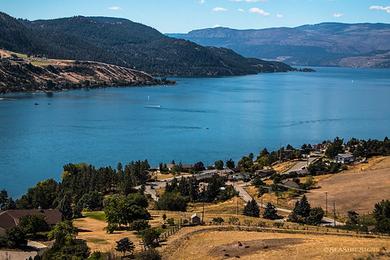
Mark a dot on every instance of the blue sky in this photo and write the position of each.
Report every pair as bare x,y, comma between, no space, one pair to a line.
185,15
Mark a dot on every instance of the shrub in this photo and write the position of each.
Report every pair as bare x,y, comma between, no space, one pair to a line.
139,225
150,254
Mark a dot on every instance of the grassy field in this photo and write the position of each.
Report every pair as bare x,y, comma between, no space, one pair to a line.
97,215
358,188
263,245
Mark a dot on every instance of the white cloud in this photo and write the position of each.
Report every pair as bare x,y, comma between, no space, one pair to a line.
256,10
337,15
217,25
219,9
241,10
202,1
279,15
380,8
114,8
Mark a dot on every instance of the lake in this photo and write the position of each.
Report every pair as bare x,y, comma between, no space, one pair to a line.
198,119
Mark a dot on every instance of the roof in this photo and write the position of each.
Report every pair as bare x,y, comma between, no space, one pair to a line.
10,218
195,216
345,155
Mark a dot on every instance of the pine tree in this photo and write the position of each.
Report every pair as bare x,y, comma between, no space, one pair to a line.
252,209
270,212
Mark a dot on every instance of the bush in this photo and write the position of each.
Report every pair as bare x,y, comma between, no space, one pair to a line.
150,237
150,254
139,225
16,238
111,228
218,220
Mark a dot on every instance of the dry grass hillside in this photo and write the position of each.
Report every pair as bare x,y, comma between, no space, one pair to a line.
358,188
209,244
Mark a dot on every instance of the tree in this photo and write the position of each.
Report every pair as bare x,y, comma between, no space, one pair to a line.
230,164
125,245
91,201
382,216
16,237
315,216
270,212
139,225
62,233
123,210
353,218
5,201
65,206
172,201
198,167
33,224
301,211
43,195
252,209
219,165
150,237
334,148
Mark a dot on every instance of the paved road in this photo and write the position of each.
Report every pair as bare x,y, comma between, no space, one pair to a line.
239,187
300,165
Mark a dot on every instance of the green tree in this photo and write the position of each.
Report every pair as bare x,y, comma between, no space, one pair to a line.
252,209
270,212
43,195
172,201
382,216
65,206
230,164
33,224
150,237
91,201
139,225
301,211
125,245
218,165
16,237
315,216
63,233
335,148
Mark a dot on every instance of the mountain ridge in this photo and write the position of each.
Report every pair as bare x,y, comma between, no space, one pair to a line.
324,44
125,43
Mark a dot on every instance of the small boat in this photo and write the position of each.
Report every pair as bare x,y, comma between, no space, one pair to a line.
36,104
153,106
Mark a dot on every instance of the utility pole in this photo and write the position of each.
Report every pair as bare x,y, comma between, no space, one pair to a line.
237,206
334,213
203,213
326,203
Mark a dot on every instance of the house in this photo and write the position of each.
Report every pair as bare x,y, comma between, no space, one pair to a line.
242,176
11,218
345,158
290,184
195,219
265,173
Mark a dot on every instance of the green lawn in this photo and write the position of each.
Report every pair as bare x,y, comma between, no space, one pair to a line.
98,215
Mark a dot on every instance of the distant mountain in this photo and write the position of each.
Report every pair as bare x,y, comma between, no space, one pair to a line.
124,43
325,44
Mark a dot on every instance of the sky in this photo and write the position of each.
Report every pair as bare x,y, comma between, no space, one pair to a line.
181,16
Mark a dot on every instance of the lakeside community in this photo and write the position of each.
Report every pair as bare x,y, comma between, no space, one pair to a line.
145,212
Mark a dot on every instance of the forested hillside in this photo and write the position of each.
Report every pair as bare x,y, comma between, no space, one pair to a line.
124,43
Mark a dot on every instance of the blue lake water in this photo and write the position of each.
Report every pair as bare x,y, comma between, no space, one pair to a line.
198,119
